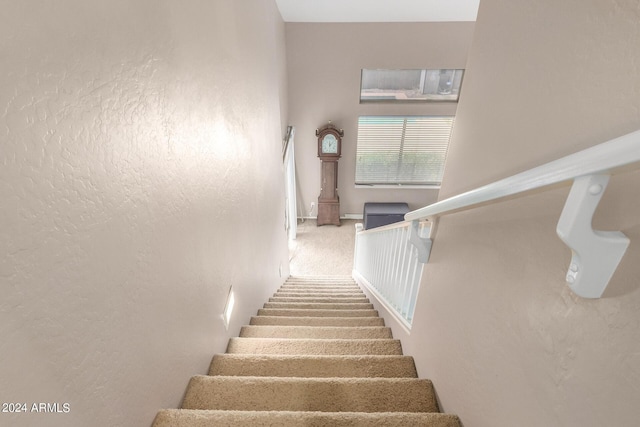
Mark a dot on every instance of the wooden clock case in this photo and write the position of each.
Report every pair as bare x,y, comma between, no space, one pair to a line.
328,201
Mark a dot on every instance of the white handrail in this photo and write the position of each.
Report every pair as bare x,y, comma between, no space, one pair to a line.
595,254
604,158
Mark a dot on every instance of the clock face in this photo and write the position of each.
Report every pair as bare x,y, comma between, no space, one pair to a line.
330,144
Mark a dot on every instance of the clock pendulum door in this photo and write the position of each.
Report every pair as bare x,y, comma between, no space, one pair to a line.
328,201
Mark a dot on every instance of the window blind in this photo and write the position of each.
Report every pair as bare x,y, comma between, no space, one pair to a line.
402,150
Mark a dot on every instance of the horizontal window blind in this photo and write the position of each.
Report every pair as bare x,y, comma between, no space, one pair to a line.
402,150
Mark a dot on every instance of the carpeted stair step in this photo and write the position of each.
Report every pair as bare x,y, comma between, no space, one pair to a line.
319,306
313,366
213,418
321,281
324,292
310,394
324,288
337,279
316,354
347,280
320,289
316,332
320,294
314,346
327,299
321,285
290,312
317,321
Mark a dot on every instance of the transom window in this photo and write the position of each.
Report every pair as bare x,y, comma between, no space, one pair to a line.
410,85
400,150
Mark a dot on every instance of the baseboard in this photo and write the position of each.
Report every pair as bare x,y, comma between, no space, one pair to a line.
345,216
352,216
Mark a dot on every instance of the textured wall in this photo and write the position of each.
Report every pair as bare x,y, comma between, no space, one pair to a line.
324,66
140,177
497,329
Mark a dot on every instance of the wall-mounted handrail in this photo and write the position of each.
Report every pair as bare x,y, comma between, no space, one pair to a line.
595,254
604,158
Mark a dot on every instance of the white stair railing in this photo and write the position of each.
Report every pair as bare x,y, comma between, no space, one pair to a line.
390,265
381,253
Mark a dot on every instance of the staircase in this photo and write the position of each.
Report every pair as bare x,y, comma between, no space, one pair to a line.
317,354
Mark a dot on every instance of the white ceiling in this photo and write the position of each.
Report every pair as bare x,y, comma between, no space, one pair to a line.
378,10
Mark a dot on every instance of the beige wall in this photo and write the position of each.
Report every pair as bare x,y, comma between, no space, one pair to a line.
324,63
140,177
496,328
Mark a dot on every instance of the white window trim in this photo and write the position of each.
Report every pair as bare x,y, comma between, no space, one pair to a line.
376,143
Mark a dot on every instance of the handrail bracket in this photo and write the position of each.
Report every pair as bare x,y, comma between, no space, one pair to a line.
422,244
595,254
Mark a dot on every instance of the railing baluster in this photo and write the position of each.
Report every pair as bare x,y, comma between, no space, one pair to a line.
392,267
396,267
388,264
415,282
404,261
383,266
380,276
375,268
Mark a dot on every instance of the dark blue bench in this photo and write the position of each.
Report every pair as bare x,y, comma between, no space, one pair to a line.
379,214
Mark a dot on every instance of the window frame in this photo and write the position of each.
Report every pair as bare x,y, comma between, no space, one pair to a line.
388,92
375,145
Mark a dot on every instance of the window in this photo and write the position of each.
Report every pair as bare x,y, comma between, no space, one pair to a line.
410,85
402,150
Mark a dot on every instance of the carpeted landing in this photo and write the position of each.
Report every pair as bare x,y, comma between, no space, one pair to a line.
317,354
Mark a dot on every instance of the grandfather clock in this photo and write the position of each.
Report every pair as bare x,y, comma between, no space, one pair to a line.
329,151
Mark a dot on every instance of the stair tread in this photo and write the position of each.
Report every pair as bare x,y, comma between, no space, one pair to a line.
316,366
327,292
327,278
322,282
327,299
314,346
320,286
316,312
210,418
289,294
344,332
320,305
325,394
317,321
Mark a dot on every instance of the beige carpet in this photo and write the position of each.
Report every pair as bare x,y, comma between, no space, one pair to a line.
324,250
311,357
